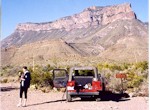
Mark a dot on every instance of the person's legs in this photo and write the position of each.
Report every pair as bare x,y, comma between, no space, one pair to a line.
20,100
21,91
25,94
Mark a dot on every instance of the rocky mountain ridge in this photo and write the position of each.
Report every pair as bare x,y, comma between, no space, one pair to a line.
91,16
103,33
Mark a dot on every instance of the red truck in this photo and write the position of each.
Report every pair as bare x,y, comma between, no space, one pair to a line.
79,82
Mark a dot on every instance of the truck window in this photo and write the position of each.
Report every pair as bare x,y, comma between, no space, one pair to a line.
60,74
84,73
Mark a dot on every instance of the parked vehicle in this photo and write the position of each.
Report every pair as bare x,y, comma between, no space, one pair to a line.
79,82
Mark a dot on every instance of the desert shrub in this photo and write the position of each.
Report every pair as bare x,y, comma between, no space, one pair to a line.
99,66
40,57
35,78
113,67
4,80
134,80
143,65
145,74
136,74
41,77
125,66
47,79
108,76
46,89
9,71
47,68
110,66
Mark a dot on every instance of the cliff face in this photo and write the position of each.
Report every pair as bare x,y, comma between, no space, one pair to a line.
91,16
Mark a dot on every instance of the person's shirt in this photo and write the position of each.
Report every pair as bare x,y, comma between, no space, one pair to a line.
22,81
27,78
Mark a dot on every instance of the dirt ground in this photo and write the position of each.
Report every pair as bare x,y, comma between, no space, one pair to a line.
53,101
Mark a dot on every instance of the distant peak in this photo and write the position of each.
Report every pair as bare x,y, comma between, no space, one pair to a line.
91,16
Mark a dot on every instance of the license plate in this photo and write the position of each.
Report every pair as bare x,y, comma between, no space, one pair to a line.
70,88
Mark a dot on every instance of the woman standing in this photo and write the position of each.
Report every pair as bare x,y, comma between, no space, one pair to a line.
24,85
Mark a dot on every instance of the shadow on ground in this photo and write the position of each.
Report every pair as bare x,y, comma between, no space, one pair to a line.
109,96
4,89
105,96
47,102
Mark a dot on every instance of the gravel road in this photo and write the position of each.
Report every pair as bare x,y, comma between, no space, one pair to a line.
53,101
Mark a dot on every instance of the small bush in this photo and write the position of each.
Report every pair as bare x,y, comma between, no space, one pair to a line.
134,80
142,65
45,89
41,77
4,81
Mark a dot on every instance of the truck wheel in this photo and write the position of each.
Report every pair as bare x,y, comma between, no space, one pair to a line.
68,97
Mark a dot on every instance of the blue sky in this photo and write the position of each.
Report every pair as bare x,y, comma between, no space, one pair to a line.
21,11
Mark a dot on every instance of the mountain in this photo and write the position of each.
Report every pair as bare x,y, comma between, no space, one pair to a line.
104,33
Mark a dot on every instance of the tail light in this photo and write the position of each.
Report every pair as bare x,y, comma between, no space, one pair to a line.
71,83
96,85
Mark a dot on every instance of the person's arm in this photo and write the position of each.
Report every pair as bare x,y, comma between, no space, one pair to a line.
27,77
22,78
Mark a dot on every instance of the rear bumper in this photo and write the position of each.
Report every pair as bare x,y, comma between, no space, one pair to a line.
83,93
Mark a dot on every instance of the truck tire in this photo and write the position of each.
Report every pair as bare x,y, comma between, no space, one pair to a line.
68,97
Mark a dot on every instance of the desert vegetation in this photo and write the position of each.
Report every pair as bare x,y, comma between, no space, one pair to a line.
137,75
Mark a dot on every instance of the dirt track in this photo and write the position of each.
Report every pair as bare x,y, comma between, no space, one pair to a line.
53,101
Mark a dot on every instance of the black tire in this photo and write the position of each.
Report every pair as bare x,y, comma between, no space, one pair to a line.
84,99
68,97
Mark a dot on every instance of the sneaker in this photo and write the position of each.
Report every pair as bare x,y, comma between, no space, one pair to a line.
19,105
24,105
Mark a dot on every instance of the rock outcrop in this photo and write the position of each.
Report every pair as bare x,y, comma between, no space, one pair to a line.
91,16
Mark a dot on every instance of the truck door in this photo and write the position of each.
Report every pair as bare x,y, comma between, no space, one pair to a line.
60,78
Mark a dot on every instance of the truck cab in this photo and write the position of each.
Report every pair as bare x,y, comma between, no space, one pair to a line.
79,82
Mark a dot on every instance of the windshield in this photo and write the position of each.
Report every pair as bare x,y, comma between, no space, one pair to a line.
83,73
